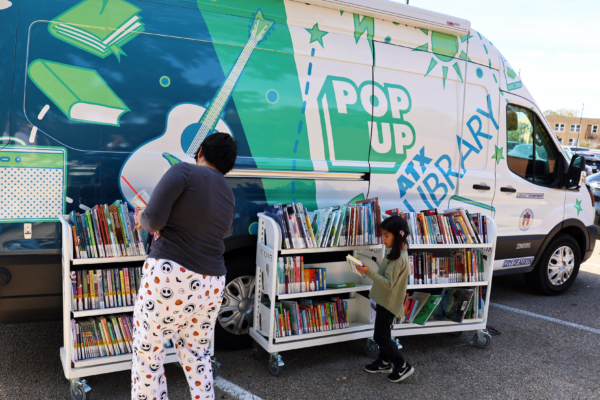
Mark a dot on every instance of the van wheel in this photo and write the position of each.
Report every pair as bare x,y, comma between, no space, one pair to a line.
558,267
237,310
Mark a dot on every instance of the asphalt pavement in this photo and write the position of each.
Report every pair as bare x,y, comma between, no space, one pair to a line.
548,349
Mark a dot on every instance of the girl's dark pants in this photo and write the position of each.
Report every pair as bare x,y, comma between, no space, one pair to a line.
388,349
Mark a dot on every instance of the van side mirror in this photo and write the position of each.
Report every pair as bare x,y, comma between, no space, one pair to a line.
575,173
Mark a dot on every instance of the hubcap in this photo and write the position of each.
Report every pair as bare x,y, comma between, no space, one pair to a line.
238,306
561,265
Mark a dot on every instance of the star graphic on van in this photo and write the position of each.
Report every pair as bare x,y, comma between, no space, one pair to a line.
498,154
446,49
316,35
578,206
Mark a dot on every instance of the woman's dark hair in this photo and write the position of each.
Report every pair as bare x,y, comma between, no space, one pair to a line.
398,227
219,149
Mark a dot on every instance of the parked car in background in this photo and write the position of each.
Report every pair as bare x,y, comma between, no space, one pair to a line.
593,184
569,154
592,157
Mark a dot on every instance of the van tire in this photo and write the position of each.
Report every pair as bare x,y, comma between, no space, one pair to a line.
539,278
241,267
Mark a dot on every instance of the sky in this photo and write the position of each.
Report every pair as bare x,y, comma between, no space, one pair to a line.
555,44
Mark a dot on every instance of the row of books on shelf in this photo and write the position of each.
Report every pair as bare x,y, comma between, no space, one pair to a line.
305,316
105,288
102,337
106,231
465,265
358,224
453,304
455,226
343,225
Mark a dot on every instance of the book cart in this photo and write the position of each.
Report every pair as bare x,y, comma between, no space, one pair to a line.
359,308
75,371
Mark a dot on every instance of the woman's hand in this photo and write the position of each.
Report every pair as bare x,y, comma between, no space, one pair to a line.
362,269
137,220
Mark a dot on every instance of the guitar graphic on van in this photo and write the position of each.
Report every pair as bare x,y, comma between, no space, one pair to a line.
187,126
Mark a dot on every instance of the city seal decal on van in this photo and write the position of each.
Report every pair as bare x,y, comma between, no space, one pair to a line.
518,262
530,196
525,219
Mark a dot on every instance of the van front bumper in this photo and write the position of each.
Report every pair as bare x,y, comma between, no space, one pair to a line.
592,235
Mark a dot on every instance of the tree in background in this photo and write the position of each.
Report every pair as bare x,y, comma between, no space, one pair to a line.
562,112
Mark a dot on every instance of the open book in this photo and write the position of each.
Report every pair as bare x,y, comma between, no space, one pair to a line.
352,263
80,93
100,27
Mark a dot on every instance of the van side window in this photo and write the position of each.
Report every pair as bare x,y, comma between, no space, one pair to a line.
531,154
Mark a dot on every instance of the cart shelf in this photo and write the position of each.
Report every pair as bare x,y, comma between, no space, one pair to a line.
101,311
361,316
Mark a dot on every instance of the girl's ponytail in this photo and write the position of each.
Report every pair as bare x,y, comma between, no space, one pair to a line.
398,227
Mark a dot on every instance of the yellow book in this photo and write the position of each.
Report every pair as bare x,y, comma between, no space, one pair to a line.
92,289
123,287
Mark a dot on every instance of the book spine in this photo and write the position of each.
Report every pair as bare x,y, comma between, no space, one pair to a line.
79,292
133,284
125,273
73,277
97,232
123,288
91,233
117,283
101,293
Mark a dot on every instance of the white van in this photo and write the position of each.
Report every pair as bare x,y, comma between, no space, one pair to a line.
329,100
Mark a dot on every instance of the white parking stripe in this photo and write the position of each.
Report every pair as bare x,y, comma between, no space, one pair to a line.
558,321
234,390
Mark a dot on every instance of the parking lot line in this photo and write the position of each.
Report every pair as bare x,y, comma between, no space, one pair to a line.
234,390
558,321
593,265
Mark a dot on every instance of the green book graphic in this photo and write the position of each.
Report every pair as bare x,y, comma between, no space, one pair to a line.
101,27
80,93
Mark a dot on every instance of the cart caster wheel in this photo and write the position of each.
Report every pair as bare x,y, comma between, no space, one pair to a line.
457,334
371,348
482,341
79,389
257,350
275,364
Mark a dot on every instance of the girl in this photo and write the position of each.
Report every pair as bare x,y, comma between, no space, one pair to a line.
388,291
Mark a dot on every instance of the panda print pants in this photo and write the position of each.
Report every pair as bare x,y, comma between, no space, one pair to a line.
174,303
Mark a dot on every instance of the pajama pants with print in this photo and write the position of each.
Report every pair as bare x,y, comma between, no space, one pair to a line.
174,303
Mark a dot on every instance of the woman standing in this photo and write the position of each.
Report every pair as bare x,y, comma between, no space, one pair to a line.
192,208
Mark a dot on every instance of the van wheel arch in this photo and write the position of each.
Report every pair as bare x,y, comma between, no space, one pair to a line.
560,258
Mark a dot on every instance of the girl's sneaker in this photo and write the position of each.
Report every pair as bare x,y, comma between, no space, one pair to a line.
379,366
401,373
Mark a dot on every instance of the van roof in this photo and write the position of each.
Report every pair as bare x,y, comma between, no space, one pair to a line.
401,13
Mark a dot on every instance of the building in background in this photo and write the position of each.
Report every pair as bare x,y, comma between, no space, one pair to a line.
569,129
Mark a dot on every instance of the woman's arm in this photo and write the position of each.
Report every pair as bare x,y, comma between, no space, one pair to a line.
390,279
167,191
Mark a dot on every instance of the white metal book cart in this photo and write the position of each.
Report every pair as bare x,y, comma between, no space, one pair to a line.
359,308
76,370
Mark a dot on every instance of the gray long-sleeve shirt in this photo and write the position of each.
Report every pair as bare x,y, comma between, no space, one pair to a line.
193,208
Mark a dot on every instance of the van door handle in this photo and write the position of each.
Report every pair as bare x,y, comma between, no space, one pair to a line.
481,187
508,189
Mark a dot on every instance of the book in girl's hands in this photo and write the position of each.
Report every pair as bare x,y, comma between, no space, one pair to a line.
353,263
